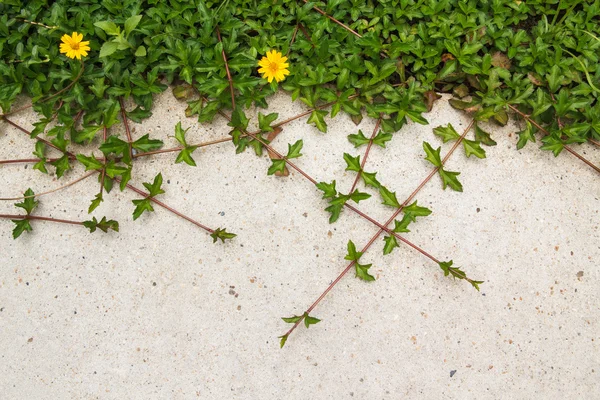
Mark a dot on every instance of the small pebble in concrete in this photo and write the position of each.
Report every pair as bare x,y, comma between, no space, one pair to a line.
452,373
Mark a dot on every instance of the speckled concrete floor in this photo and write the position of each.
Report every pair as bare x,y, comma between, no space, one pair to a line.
159,311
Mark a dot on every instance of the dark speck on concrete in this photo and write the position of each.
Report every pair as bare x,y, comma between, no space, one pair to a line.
222,213
169,181
153,283
478,209
580,274
74,312
452,373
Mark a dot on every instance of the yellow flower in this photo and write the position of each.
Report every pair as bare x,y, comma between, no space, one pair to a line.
273,66
73,47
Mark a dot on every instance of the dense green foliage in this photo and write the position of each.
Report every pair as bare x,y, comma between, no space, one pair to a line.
540,55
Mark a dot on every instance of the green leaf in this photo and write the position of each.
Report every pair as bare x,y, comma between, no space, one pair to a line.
433,156
180,134
449,178
104,225
109,27
29,203
382,138
185,155
390,244
352,255
108,49
555,145
265,121
358,139
114,145
90,163
353,163
239,119
473,148
282,341
525,136
292,320
308,320
294,150
140,52
145,144
334,210
370,179
277,165
22,225
131,23
362,272
483,137
447,133
95,203
62,165
141,205
87,134
357,196
222,234
155,187
457,273
317,117
389,198
328,189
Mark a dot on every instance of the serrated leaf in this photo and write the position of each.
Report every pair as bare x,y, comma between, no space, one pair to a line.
22,225
358,196
62,165
29,202
525,136
389,197
358,139
362,272
447,133
352,163
155,187
145,144
282,341
317,117
294,150
433,156
483,137
222,234
449,178
473,148
277,165
352,255
91,163
95,203
335,210
185,155
328,189
308,320
141,205
265,121
390,244
369,178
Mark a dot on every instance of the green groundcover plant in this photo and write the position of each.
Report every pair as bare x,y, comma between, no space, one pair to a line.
533,60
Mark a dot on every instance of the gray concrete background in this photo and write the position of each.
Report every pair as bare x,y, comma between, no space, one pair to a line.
159,311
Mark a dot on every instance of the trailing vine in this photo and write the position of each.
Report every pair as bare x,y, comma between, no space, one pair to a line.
534,61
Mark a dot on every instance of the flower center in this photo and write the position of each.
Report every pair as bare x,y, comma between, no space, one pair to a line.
75,46
274,67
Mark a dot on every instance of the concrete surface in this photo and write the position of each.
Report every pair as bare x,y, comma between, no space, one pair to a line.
158,311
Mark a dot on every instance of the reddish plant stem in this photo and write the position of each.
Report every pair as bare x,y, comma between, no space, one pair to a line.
104,135
26,160
127,130
293,39
163,205
360,213
305,113
227,70
131,187
306,35
35,217
545,132
364,161
335,20
50,191
381,230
